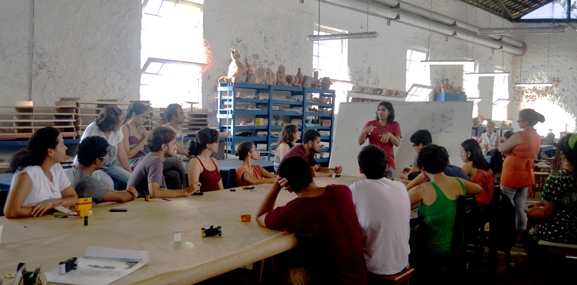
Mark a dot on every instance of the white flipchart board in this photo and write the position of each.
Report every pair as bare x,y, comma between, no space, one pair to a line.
449,123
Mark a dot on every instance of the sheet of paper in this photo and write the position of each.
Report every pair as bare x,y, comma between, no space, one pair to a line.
101,265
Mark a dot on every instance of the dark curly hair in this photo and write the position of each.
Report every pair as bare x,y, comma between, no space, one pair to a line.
36,149
391,110
433,158
108,118
421,137
91,148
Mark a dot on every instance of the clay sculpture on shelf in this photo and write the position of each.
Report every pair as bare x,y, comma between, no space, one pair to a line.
307,81
236,70
260,75
300,77
270,78
326,83
249,71
316,83
290,79
280,76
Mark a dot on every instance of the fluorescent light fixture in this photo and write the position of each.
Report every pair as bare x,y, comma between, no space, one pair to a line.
487,74
367,35
448,62
527,84
520,31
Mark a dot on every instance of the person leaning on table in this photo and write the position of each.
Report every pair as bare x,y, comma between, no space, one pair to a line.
39,183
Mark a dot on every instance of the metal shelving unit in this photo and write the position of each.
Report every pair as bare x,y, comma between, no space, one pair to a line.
255,110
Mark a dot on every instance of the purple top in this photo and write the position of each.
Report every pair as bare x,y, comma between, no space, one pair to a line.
149,169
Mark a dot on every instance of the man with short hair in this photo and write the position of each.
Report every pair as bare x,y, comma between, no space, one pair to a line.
384,211
420,139
324,221
311,145
147,176
92,154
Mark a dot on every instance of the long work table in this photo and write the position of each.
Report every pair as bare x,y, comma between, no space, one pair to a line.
150,226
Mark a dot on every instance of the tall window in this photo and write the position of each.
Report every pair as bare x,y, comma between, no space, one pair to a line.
500,97
330,59
471,87
172,51
417,72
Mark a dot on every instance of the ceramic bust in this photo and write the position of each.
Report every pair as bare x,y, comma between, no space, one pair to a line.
260,75
269,78
326,83
236,70
307,81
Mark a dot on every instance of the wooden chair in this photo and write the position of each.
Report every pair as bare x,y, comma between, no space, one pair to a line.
3,197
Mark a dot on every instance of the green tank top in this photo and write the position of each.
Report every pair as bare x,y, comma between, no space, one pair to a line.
436,228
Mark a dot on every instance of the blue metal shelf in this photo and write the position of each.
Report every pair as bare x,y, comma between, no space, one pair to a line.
322,160
227,102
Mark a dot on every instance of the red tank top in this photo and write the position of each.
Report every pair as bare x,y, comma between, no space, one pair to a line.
209,179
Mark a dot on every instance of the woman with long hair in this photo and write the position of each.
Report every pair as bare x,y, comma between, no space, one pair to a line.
517,175
248,173
117,167
478,170
289,135
39,183
134,132
384,132
203,167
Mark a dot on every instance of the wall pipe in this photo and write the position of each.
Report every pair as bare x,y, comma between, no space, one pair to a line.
380,10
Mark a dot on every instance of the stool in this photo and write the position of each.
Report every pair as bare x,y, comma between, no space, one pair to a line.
403,277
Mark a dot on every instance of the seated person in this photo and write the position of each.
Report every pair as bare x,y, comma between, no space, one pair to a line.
248,173
134,132
91,156
147,176
107,125
437,205
450,170
554,218
419,139
478,170
490,139
174,171
384,212
289,136
39,183
329,243
203,168
311,145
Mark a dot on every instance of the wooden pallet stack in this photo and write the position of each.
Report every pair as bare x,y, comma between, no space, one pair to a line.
87,110
19,122
196,119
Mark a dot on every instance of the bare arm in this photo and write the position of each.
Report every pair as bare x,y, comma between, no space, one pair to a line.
541,213
267,204
468,169
396,141
497,141
121,196
508,145
157,192
14,207
123,158
420,179
251,180
471,188
194,170
131,152
282,150
366,131
416,194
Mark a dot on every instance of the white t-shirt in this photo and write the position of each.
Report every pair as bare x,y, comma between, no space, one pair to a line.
384,212
492,141
113,140
42,188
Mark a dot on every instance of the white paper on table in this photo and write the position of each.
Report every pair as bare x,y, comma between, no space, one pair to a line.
101,265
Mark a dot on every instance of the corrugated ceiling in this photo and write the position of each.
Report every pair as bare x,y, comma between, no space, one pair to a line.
512,10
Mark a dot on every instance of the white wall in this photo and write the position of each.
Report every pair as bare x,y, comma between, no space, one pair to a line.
66,48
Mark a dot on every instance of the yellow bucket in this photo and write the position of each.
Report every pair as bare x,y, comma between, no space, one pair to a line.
259,121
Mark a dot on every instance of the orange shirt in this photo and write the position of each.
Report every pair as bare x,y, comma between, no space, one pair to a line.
256,173
518,166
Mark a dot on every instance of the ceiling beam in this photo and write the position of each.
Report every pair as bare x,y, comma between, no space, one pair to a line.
504,8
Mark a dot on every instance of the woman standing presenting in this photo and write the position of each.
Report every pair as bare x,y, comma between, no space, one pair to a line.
384,132
517,175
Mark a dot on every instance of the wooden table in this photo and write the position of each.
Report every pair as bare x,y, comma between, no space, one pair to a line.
150,226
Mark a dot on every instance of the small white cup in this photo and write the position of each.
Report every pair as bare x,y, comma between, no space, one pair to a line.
333,175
